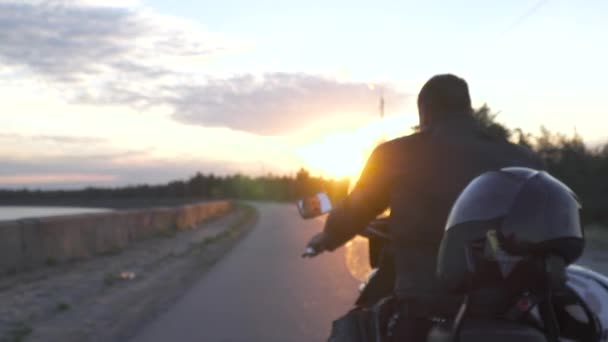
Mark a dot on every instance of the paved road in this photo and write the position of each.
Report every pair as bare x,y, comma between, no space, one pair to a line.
262,290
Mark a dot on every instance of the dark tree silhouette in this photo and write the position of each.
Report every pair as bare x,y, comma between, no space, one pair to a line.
197,187
487,120
583,169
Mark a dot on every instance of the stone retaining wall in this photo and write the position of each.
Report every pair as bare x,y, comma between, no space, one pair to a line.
29,243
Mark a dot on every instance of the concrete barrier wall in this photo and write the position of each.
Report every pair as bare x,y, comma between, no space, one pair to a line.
30,243
11,253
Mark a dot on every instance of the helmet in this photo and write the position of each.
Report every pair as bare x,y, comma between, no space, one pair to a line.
509,216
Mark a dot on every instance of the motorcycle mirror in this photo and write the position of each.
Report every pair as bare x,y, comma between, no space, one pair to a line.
314,206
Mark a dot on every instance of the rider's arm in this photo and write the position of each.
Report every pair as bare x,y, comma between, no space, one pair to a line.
369,198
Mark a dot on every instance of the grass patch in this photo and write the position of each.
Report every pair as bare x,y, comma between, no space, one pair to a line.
63,307
20,332
249,215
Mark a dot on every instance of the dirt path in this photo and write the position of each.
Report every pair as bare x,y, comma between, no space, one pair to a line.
107,298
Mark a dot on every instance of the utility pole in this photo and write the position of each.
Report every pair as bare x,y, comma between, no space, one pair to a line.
383,135
373,87
381,105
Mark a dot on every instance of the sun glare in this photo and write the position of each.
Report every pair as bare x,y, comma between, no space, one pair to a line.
343,154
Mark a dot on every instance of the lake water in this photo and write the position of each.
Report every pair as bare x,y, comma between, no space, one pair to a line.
18,212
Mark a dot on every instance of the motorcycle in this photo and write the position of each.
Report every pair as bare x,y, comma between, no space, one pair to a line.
588,311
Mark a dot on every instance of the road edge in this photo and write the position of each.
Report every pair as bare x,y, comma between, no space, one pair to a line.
129,305
209,252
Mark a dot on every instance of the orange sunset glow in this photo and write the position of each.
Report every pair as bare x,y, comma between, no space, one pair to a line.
343,154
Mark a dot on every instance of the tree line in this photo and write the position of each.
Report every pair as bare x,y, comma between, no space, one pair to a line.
584,169
198,187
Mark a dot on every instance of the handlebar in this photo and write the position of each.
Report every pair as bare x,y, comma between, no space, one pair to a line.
378,228
310,252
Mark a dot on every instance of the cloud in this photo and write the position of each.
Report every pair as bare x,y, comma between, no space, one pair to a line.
103,171
97,51
59,139
61,42
276,102
109,55
55,178
67,139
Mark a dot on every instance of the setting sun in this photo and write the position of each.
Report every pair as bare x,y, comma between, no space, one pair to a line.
343,154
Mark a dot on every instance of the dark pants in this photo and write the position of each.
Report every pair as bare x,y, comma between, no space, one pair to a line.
411,330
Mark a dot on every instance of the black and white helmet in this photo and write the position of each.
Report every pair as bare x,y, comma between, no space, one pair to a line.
516,213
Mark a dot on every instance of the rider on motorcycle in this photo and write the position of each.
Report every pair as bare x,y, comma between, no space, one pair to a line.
419,177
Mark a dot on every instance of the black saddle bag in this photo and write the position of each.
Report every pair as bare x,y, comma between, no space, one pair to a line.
364,324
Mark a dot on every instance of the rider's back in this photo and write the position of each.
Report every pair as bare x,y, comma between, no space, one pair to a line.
426,172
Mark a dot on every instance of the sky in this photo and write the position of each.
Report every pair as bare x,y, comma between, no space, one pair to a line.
110,93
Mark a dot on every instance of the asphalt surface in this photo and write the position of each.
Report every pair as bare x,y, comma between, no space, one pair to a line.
263,290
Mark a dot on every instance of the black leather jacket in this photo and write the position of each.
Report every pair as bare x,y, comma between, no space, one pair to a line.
419,177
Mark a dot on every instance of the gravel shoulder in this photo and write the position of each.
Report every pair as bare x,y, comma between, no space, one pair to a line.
107,298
